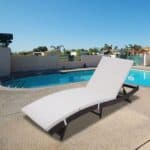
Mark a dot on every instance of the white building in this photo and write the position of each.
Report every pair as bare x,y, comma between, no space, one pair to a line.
39,53
75,53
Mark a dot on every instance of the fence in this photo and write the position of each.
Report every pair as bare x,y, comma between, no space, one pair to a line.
91,60
138,59
33,63
37,63
69,58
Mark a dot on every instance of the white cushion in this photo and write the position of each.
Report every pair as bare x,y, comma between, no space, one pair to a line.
103,86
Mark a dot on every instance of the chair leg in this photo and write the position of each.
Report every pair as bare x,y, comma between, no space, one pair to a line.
100,112
127,99
61,133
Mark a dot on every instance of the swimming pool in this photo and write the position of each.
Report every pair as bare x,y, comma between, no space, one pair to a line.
136,77
139,77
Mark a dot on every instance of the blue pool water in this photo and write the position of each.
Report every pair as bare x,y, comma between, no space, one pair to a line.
136,77
139,77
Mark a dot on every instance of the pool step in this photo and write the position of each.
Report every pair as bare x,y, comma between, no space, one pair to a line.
17,84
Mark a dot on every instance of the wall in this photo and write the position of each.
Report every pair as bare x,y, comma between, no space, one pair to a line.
146,59
70,64
138,59
4,61
33,63
91,60
36,63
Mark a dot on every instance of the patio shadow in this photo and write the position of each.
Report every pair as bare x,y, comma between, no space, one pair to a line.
85,120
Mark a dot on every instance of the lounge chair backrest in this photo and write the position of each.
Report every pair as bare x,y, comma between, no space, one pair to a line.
109,76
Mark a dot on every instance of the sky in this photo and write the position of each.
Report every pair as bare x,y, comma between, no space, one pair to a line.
75,23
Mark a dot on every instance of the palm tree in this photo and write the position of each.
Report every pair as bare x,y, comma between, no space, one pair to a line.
107,49
56,50
58,47
115,47
134,48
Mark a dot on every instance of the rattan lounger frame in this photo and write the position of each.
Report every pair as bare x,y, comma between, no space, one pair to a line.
60,128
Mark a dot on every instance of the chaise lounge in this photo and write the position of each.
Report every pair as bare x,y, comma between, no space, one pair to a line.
106,87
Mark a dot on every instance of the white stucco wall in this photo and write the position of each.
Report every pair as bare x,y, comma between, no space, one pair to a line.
5,61
70,64
33,63
91,60
37,63
146,59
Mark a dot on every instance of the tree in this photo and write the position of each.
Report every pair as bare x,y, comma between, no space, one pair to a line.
106,49
67,52
40,49
93,51
58,47
132,49
5,39
81,51
25,53
115,47
78,52
135,47
56,50
126,51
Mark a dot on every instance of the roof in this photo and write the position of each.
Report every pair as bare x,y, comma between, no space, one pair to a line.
146,48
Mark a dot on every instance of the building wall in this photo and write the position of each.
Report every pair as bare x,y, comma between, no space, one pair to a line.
4,61
146,59
33,63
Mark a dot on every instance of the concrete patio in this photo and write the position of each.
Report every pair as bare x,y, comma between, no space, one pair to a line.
124,126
